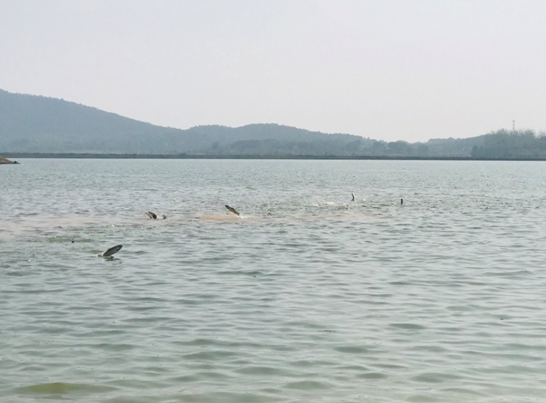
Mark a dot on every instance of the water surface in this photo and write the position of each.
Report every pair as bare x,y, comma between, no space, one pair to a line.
307,296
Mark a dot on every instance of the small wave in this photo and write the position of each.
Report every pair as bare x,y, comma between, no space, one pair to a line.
372,375
307,385
57,388
352,349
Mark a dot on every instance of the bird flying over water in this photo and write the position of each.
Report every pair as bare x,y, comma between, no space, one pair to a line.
232,210
111,251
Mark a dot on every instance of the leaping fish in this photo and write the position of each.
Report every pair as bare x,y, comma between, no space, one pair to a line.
354,198
152,215
111,251
232,210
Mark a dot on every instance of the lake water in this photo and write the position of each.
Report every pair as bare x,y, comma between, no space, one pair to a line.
307,297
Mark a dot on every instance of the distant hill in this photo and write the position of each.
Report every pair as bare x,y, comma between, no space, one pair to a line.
36,124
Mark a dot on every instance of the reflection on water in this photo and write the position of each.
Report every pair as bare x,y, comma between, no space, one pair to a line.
306,296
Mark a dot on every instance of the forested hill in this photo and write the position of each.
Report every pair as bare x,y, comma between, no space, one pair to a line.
47,125
35,124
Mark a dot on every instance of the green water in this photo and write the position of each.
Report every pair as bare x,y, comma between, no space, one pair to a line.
307,296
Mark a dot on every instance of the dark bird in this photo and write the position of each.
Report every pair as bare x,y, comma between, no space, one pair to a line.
232,210
111,251
152,215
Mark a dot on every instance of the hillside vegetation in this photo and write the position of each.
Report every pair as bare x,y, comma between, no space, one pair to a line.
35,124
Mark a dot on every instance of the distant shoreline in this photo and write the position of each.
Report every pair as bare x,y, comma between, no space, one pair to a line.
252,157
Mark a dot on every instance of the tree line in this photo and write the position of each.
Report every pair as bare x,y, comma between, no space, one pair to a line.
514,144
32,124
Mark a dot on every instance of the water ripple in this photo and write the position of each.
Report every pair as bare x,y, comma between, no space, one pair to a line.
307,297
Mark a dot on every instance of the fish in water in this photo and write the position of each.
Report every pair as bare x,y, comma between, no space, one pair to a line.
354,198
152,215
111,251
232,210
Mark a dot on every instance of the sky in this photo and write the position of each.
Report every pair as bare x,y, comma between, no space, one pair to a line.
383,69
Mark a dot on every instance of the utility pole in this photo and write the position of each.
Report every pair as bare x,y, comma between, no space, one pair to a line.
513,125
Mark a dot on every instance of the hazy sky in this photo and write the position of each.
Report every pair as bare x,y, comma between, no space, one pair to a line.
392,70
